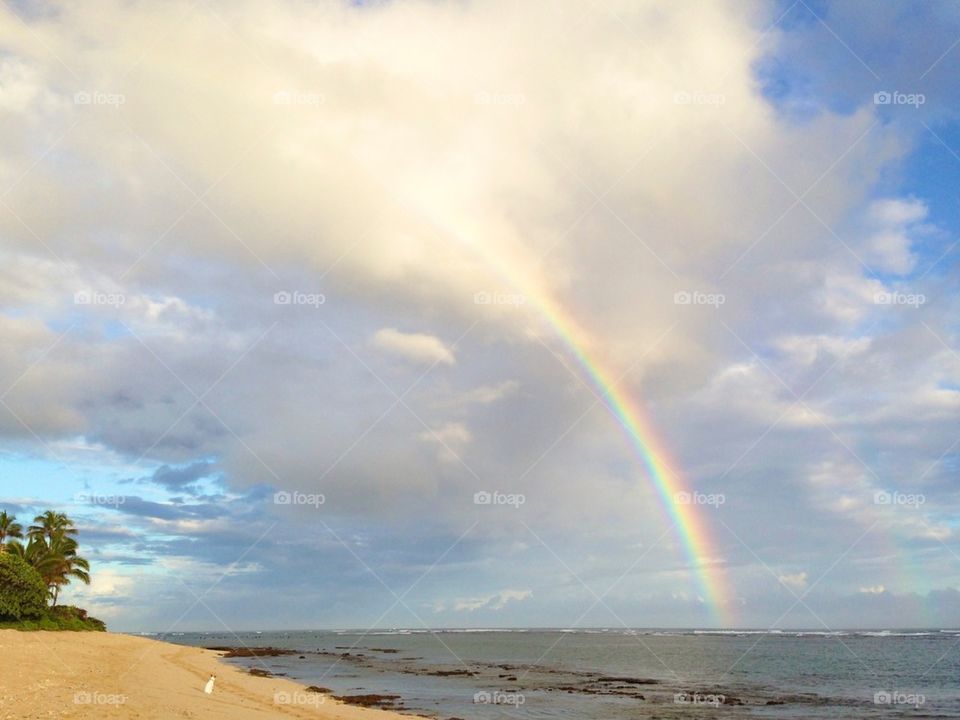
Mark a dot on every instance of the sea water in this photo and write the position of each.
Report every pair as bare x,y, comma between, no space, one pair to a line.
614,673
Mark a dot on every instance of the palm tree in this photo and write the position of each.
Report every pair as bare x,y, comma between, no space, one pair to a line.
61,563
36,553
9,528
51,523
31,551
57,561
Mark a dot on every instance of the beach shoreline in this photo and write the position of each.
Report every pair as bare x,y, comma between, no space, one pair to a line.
90,675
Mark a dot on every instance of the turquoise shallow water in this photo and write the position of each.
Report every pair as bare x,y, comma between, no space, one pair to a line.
612,674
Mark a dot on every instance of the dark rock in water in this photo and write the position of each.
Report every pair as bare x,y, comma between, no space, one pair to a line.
240,652
451,673
628,681
371,700
316,689
385,650
775,702
260,672
302,657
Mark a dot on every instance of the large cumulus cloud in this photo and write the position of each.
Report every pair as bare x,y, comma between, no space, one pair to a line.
248,193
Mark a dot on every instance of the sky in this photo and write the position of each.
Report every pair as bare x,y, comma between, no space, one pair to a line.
319,315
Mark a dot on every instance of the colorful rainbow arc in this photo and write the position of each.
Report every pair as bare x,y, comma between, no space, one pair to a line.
691,527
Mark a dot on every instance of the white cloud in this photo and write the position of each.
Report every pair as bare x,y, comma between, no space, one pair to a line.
402,180
105,595
487,394
417,347
807,349
797,581
897,211
453,433
496,601
847,297
449,438
894,225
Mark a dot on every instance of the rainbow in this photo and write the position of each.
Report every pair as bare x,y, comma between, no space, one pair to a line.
690,525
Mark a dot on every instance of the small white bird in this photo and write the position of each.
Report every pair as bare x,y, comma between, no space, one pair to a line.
208,688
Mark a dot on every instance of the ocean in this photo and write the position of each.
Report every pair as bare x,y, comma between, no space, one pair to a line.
610,674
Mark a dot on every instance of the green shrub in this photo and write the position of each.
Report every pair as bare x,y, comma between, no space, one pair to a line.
51,623
96,624
69,617
23,594
67,612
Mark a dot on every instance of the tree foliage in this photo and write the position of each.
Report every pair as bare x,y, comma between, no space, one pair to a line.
35,571
23,592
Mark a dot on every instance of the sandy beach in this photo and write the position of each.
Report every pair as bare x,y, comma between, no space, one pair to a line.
95,675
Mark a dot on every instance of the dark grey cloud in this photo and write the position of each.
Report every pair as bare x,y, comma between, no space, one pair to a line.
134,505
177,479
